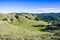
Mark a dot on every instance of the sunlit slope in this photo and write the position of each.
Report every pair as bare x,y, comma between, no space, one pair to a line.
21,27
8,29
26,21
20,24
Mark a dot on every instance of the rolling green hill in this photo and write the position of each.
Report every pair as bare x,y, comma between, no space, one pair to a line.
23,26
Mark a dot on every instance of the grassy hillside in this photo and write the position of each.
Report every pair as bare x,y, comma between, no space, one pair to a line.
15,26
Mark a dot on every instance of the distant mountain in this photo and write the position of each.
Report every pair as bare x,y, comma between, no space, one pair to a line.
48,16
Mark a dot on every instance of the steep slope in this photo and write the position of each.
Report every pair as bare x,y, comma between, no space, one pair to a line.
11,32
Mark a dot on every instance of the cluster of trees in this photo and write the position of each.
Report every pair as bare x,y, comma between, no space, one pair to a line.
48,16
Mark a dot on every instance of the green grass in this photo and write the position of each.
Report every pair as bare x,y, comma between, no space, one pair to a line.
21,26
29,27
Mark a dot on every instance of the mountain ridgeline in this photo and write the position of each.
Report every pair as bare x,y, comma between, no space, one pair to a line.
30,26
48,16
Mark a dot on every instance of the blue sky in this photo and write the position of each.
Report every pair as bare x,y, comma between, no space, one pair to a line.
30,6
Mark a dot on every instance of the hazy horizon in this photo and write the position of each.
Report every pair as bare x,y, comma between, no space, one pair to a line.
29,6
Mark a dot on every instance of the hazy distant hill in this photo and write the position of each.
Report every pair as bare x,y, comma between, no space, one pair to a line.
48,16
